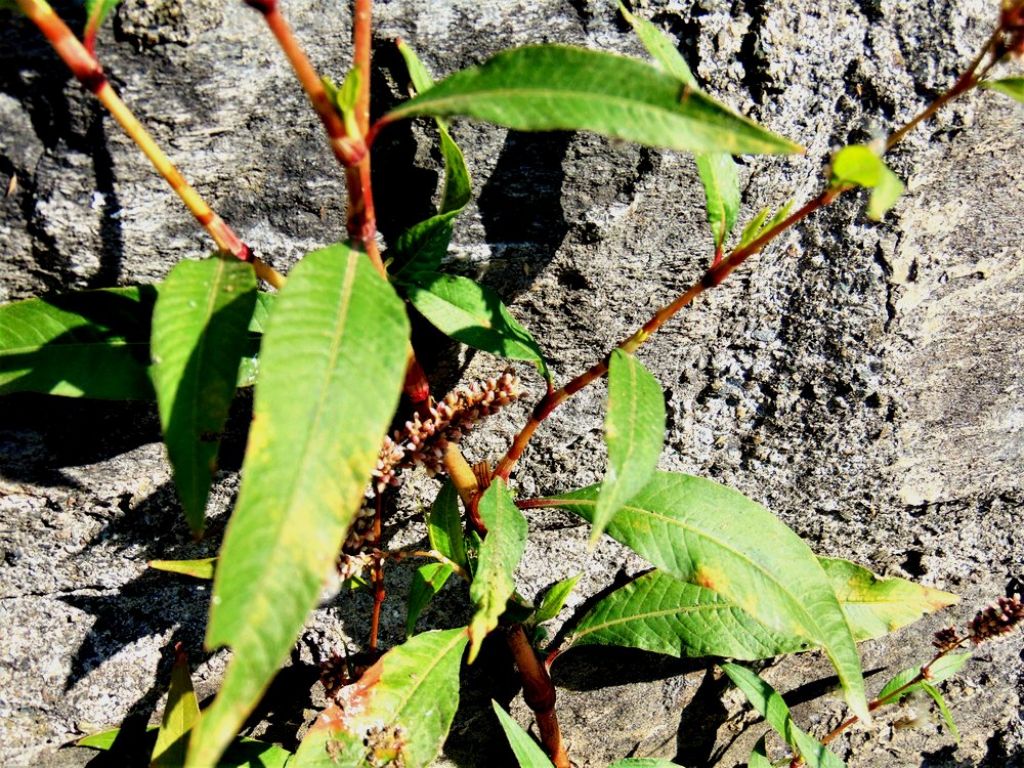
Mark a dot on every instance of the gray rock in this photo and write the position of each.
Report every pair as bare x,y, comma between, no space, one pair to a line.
863,381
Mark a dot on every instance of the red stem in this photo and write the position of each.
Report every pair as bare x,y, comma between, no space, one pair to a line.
539,694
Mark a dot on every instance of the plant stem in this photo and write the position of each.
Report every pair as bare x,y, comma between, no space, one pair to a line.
539,693
379,594
87,70
721,268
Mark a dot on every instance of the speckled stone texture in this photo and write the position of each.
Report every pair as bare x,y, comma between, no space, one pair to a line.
864,381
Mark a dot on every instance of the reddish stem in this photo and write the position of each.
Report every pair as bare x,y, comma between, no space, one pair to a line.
379,595
539,694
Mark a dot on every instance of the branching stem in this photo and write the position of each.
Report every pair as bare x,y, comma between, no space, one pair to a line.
87,70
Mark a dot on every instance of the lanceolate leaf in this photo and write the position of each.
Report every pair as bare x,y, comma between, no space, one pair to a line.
427,581
772,707
902,684
553,87
472,314
528,753
444,525
333,362
199,335
197,569
397,713
634,431
661,48
705,533
722,191
500,552
875,605
83,344
659,613
759,755
1011,86
940,702
180,714
242,753
554,599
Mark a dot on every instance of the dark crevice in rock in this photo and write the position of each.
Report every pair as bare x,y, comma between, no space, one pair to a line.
583,13
756,75
112,238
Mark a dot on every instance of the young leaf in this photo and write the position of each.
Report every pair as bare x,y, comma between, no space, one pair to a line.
473,314
180,714
902,686
197,569
721,183
397,713
861,166
199,334
333,359
554,599
875,605
528,753
82,344
554,87
661,48
422,247
659,613
1010,86
774,710
427,581
940,702
705,533
500,552
96,12
634,431
759,755
754,228
444,525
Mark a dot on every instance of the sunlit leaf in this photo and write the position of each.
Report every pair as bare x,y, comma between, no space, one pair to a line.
713,536
554,599
197,569
1011,86
660,47
634,431
81,344
500,552
199,335
774,710
719,176
659,613
759,755
427,581
180,714
940,702
397,713
528,753
444,525
241,753
333,358
473,314
754,227
861,166
903,683
554,87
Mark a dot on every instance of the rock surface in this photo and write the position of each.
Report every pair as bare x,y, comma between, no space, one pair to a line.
864,381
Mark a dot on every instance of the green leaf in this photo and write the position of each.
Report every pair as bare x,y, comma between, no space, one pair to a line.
473,314
554,87
634,431
500,552
180,714
427,581
197,569
199,334
861,166
397,713
705,533
754,228
82,344
444,525
660,47
875,605
333,360
1011,86
659,613
554,599
759,755
721,182
528,753
902,686
424,246
249,367
940,702
241,753
774,710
